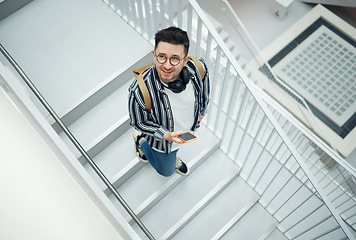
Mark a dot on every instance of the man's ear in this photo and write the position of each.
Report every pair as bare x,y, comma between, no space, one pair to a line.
186,59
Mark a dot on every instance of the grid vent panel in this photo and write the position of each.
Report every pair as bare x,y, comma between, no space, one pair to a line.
322,69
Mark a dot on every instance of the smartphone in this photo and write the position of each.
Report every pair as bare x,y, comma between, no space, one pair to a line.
187,137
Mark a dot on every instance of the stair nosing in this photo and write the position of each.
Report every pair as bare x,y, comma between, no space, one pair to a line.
269,231
128,171
201,205
155,197
236,218
93,147
65,115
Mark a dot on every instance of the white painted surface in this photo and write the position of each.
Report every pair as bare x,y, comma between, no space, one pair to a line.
280,8
68,48
40,196
252,13
347,3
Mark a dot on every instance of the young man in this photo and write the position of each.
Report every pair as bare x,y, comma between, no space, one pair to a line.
179,100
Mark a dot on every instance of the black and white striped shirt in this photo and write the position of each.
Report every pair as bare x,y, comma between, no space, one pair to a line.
156,123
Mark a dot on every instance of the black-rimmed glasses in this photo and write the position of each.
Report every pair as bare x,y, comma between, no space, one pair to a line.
174,61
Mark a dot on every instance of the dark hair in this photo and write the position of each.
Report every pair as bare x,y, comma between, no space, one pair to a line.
173,35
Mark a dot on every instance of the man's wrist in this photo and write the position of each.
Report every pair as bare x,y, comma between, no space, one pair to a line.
166,136
160,132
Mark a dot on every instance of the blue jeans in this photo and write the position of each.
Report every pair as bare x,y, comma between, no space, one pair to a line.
163,163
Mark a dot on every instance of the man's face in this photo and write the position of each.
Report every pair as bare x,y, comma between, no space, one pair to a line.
166,71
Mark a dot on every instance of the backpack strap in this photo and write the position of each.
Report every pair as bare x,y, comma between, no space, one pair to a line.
146,95
199,66
140,70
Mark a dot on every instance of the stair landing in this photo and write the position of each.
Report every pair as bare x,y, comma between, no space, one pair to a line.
61,46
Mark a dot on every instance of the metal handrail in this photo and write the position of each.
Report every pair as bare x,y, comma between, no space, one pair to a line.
306,131
300,98
74,141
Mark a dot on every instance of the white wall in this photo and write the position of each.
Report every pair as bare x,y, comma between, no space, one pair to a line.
40,198
346,3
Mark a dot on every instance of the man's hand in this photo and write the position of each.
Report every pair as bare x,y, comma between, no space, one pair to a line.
173,136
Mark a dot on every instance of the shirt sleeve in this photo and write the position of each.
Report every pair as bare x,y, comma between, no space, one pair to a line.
140,118
206,90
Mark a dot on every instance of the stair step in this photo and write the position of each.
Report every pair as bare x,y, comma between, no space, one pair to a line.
230,44
114,158
204,202
107,137
192,154
269,231
242,62
67,56
106,118
276,235
322,229
224,35
188,194
101,118
101,92
220,211
256,216
218,26
236,53
236,218
154,198
314,212
124,174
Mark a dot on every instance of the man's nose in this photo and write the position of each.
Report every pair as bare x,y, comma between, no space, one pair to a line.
167,64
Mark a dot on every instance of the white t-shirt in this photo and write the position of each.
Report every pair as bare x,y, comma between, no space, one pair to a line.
182,105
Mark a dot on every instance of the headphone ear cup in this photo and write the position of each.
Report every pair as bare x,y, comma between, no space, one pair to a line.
185,75
177,86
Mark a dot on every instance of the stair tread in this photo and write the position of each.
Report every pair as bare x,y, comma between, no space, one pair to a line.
218,26
66,57
276,235
132,189
256,216
207,223
188,193
114,157
100,118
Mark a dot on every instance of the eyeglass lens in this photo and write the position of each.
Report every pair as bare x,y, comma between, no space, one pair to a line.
173,60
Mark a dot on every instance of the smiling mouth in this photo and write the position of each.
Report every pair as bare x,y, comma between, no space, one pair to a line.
165,72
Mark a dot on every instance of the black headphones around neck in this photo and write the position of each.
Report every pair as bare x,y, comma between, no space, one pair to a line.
179,85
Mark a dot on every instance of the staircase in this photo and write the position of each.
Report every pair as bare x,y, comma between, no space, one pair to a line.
230,44
206,204
216,201
194,207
